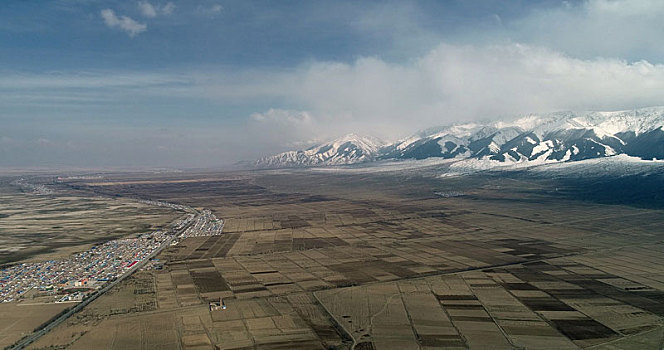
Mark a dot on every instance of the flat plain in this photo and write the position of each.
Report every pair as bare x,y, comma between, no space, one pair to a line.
36,226
385,261
42,226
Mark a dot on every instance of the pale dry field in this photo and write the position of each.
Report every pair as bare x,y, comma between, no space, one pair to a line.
36,227
18,320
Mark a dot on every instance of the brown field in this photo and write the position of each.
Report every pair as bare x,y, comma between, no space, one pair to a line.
35,227
560,303
313,261
19,320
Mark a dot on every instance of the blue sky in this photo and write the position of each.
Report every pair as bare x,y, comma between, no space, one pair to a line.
208,83
236,33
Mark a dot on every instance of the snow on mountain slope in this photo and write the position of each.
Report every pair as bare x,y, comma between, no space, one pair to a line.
529,140
537,139
349,149
619,165
611,123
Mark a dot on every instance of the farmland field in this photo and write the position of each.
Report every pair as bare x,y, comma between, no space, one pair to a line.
41,226
18,320
385,261
53,224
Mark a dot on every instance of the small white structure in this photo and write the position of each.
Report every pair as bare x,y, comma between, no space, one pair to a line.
217,305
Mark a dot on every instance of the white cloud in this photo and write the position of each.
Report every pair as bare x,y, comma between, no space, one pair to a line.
454,83
624,8
319,100
124,23
83,90
151,11
212,10
216,8
88,80
168,8
282,116
147,9
282,128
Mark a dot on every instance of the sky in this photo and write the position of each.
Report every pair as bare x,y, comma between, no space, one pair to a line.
208,83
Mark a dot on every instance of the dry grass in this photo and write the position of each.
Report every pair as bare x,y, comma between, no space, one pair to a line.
41,227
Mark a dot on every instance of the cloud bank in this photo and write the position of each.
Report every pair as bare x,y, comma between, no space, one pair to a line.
317,100
455,83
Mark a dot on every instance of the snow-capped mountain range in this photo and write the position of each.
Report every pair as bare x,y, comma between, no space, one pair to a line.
533,139
349,149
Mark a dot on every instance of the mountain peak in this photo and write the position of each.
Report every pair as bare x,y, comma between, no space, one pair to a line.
530,139
348,149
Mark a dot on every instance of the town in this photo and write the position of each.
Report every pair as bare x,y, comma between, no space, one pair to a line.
206,224
74,278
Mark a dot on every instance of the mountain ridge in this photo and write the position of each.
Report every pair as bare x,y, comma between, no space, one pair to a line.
348,149
531,139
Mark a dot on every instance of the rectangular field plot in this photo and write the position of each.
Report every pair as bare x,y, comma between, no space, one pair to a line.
487,309
341,266
308,260
265,323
